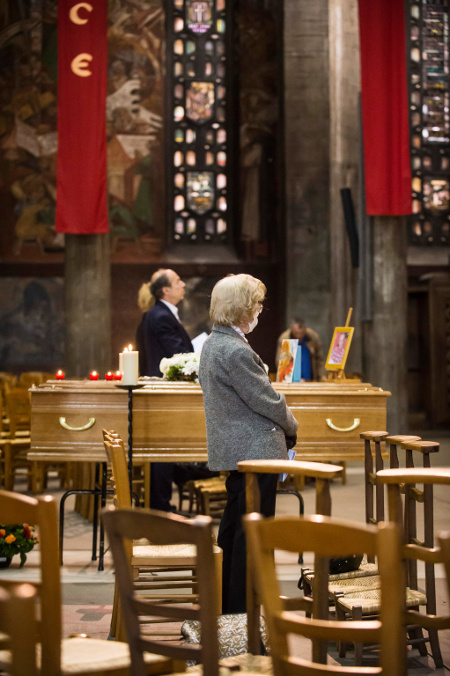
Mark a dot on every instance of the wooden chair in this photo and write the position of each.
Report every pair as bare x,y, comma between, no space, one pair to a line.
361,598
326,537
374,493
211,495
29,379
160,572
18,622
323,475
75,656
444,543
16,439
7,381
415,550
166,530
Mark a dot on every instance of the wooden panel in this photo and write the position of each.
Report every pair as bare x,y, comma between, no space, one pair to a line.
439,340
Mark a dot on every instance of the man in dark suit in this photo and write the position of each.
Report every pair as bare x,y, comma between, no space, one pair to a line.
161,334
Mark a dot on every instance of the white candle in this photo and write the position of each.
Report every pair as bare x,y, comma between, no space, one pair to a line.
130,366
125,349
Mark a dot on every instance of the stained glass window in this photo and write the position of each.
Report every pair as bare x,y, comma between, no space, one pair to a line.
428,34
199,123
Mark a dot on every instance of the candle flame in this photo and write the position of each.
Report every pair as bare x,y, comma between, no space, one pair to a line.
130,348
59,372
94,373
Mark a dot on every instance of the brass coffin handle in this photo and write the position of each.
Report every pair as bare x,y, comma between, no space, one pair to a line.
63,423
353,426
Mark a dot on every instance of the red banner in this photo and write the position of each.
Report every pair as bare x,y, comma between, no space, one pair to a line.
81,197
384,95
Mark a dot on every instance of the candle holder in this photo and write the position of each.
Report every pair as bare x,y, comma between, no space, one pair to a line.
118,375
93,375
60,375
130,389
109,376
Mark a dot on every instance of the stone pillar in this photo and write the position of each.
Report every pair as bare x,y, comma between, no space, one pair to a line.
87,304
307,161
344,163
385,338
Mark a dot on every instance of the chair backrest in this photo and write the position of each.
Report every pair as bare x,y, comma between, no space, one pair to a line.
327,537
18,406
18,622
444,543
115,452
41,512
373,463
165,529
29,378
414,550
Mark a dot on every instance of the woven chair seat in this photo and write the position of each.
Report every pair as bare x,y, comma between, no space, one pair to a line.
165,554
364,570
80,655
369,601
355,585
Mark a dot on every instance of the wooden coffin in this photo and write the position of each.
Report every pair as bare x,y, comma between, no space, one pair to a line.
168,421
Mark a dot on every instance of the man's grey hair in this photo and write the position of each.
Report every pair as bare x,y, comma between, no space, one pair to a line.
159,281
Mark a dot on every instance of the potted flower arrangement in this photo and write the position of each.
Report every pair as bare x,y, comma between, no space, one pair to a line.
181,367
16,539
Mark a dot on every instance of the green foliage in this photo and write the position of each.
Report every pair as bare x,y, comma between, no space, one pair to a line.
175,373
17,539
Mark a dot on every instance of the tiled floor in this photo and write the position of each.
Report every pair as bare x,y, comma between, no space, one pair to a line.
88,593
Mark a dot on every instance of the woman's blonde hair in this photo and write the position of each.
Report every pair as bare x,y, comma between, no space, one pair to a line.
145,298
235,299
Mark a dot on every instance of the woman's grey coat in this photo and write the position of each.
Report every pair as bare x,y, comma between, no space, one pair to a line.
246,419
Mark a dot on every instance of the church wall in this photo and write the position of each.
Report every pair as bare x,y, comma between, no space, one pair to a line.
29,246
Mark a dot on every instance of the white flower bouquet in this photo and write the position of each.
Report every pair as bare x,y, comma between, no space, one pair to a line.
181,367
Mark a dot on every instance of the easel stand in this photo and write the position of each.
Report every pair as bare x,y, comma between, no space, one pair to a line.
130,389
340,375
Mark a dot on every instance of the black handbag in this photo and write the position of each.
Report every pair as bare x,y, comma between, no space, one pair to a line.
345,564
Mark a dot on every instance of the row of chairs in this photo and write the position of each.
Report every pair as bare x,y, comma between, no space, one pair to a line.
15,422
159,573
349,605
326,537
356,594
15,430
147,655
328,545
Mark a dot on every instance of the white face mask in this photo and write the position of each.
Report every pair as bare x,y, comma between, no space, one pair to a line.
253,324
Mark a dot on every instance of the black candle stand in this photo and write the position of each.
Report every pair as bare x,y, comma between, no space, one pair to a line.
130,389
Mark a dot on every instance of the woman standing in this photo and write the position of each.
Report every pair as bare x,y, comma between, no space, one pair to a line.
246,419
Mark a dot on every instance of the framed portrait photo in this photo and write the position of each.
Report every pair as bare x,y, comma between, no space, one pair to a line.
339,347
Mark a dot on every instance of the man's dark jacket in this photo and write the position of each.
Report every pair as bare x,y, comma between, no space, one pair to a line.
159,335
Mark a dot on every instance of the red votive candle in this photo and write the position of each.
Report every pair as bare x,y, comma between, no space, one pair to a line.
109,376
93,375
118,375
60,375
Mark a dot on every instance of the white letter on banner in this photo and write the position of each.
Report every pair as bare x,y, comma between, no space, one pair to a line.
74,12
80,64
